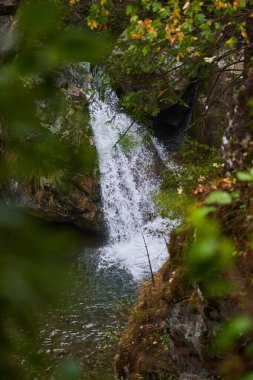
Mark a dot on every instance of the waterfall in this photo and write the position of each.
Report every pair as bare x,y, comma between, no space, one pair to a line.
128,183
107,271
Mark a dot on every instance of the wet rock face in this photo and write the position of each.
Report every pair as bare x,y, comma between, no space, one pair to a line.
187,326
74,196
77,203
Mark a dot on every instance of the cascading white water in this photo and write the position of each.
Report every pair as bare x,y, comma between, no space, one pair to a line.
128,182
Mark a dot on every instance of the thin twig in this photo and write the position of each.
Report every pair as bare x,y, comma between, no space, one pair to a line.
216,81
166,243
149,261
123,134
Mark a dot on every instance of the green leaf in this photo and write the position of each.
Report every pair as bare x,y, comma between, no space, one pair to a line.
39,18
197,216
76,44
219,197
200,18
245,176
218,26
249,376
232,331
130,10
231,43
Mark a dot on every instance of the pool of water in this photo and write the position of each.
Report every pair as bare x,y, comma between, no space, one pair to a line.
91,314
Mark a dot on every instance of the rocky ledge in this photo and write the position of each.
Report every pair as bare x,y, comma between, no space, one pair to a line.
76,203
172,325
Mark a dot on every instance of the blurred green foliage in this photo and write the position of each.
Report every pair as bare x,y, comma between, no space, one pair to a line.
210,255
246,175
233,331
31,54
33,271
35,257
219,197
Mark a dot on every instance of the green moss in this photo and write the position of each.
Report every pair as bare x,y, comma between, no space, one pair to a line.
198,163
171,204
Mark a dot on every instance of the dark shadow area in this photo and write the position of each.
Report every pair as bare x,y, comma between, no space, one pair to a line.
175,119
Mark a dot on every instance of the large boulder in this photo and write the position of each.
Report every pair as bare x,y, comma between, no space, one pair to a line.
77,203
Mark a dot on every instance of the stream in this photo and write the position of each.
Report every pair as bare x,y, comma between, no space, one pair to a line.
108,271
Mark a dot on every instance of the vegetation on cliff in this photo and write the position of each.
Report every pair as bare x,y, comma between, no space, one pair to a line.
166,46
